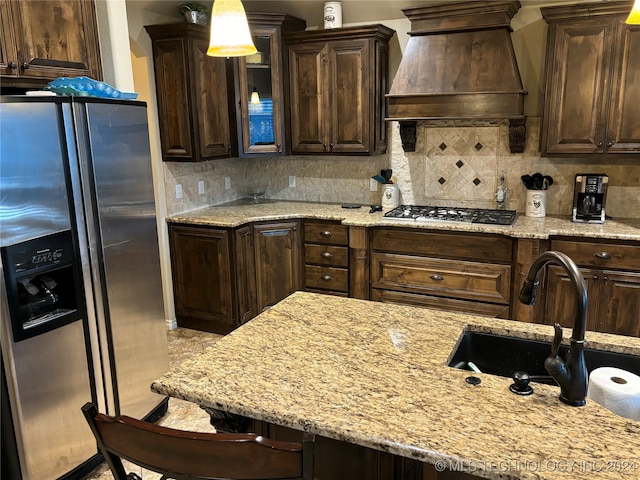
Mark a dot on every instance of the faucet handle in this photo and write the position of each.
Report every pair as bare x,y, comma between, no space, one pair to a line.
557,340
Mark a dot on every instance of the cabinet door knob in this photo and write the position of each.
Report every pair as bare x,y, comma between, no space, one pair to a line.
331,147
603,255
599,144
326,255
25,65
326,233
326,278
611,143
12,65
437,278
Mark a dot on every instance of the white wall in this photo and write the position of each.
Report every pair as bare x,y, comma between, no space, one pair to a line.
127,65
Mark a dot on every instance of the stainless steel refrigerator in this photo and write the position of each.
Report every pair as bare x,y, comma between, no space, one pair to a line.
80,287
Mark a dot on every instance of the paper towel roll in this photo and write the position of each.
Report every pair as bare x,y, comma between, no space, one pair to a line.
617,390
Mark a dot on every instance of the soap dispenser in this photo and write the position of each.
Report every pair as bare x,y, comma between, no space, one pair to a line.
501,194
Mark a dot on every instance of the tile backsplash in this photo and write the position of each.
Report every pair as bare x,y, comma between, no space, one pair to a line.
454,163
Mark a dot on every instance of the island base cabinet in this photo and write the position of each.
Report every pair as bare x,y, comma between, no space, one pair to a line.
336,460
429,472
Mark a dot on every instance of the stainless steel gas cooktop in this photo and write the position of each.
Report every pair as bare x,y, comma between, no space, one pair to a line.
427,214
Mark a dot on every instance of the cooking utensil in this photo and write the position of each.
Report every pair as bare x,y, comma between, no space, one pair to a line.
547,182
526,181
380,179
386,174
537,181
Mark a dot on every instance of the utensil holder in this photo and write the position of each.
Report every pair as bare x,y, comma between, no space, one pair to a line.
536,203
390,197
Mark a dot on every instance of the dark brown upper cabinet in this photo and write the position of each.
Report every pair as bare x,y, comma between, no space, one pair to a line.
193,91
337,84
260,119
43,40
592,80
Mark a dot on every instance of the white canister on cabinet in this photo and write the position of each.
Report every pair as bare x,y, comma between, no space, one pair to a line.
332,15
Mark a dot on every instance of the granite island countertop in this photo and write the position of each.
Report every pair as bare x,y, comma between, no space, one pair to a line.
376,375
235,214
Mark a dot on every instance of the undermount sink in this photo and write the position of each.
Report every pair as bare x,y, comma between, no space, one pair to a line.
503,356
252,201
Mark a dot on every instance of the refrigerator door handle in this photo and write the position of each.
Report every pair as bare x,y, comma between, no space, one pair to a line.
85,223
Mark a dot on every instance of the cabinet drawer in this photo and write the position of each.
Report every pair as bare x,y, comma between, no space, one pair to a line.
597,254
439,303
447,278
483,248
332,233
327,278
326,255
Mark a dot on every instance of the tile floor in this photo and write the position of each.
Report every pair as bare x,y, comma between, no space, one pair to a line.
183,343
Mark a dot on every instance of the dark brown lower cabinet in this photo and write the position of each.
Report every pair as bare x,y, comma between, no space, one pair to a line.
613,300
202,279
465,273
225,277
337,460
612,274
278,261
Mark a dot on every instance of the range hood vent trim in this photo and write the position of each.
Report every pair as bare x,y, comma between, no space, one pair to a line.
459,64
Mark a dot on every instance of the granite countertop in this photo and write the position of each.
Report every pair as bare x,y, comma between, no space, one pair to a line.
375,374
238,213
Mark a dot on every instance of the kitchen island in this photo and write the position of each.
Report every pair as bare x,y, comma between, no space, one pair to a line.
376,375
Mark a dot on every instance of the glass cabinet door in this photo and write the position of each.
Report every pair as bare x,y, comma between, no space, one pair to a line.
260,88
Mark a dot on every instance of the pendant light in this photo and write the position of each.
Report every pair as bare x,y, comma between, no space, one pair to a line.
230,36
634,16
255,97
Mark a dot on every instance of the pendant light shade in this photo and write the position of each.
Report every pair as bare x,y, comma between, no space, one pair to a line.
230,36
255,97
634,16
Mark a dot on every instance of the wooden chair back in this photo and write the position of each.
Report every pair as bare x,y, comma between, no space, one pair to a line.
184,455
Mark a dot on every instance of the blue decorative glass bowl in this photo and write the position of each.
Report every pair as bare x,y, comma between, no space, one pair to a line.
87,87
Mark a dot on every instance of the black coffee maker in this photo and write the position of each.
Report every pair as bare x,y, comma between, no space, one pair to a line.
589,197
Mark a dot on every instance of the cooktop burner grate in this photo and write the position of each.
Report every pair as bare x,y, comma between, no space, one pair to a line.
427,214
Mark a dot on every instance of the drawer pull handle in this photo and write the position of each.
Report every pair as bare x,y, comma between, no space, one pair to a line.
326,255
604,255
326,278
437,278
326,233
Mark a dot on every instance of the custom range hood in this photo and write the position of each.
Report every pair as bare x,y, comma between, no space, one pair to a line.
459,64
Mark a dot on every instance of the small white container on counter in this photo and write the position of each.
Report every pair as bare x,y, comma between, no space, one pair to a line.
332,15
390,196
536,203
